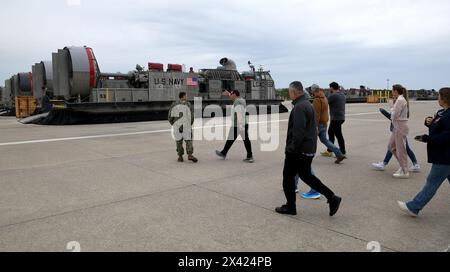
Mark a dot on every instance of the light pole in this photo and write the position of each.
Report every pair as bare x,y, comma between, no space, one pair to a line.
388,91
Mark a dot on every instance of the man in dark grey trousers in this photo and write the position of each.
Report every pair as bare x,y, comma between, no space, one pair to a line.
301,147
337,101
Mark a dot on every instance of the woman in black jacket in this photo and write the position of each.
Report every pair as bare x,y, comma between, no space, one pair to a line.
438,147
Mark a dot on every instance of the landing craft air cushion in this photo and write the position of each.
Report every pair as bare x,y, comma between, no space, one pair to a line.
83,94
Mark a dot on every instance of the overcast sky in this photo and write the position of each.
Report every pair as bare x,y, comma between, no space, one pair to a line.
354,42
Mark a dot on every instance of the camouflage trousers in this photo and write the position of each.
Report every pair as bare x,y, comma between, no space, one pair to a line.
189,147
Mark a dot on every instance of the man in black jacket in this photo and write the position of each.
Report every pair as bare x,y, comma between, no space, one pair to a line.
438,147
301,147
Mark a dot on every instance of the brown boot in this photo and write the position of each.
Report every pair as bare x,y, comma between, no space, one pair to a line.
180,159
193,159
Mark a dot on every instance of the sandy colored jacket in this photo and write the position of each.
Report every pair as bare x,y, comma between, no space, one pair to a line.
320,104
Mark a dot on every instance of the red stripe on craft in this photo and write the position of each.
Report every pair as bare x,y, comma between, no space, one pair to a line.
91,67
31,83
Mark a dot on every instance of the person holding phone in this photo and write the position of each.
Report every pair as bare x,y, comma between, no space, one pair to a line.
381,166
240,126
397,143
438,148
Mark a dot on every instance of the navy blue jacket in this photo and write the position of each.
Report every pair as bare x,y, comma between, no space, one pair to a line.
439,139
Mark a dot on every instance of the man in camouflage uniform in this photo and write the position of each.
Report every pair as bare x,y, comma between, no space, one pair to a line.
181,117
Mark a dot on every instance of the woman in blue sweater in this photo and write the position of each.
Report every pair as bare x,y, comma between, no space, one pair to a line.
438,147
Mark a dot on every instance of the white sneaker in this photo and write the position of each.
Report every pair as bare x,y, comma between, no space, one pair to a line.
405,209
415,168
401,175
379,166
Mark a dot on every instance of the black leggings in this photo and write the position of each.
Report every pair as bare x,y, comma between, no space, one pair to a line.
234,133
335,130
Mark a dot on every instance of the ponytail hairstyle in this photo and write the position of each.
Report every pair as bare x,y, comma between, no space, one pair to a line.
402,91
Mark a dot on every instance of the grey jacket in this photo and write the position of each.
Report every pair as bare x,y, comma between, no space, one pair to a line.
337,106
302,129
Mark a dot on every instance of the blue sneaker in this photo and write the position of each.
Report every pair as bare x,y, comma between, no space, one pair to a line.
311,195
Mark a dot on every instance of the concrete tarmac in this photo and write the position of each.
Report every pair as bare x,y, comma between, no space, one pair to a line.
119,187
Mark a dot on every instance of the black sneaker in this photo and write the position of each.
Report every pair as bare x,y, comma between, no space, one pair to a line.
249,160
335,202
284,210
222,156
340,159
193,159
